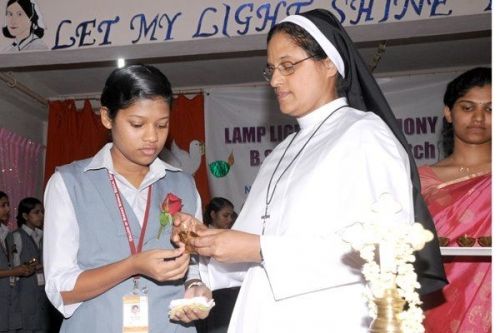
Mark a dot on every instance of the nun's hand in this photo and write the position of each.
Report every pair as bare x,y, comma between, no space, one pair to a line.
229,246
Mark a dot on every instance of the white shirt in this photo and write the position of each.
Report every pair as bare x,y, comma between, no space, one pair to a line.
61,241
310,280
4,231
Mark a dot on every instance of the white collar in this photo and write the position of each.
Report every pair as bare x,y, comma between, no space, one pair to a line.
36,234
25,42
31,232
4,230
103,160
316,116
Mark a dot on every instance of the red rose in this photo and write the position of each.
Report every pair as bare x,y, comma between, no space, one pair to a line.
172,204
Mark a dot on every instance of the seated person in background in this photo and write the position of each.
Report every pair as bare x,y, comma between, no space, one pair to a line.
219,214
457,190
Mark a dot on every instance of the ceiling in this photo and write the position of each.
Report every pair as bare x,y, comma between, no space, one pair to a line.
237,62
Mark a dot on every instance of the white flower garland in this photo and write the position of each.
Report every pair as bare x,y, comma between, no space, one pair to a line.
400,240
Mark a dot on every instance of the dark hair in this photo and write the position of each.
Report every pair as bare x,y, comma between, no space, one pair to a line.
215,205
459,87
25,206
29,8
300,37
3,195
305,41
126,85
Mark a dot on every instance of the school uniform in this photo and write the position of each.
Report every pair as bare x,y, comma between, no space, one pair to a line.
33,304
9,319
83,218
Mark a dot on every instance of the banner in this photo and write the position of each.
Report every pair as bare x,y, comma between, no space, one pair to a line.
38,25
417,102
244,124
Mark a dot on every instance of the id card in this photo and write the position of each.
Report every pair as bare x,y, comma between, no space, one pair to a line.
135,314
40,279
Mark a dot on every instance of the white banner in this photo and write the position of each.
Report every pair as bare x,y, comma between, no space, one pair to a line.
243,124
38,25
417,102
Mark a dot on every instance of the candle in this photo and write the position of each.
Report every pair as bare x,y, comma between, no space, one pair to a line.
386,256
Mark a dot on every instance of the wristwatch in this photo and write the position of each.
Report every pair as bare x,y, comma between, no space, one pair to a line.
193,283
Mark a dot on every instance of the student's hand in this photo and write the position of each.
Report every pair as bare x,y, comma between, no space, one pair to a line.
196,291
161,265
187,224
229,246
189,314
23,270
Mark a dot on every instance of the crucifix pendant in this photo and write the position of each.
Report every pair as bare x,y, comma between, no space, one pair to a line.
264,220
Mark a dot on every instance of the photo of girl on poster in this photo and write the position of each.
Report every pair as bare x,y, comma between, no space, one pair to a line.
24,24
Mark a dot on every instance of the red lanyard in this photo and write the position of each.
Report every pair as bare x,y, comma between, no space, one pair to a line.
123,214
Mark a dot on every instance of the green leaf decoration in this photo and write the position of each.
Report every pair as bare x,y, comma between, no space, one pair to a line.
219,168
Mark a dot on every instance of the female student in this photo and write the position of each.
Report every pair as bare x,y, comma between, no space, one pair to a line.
26,243
10,318
105,249
219,214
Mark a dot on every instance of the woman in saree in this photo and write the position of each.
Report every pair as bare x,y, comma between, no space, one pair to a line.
457,190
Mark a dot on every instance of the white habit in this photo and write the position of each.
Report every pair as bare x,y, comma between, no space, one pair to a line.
310,281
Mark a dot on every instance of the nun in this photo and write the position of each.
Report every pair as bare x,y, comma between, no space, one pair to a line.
300,276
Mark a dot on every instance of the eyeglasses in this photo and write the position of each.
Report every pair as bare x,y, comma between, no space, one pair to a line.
285,68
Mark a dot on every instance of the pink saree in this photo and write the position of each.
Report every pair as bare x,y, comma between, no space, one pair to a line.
460,207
